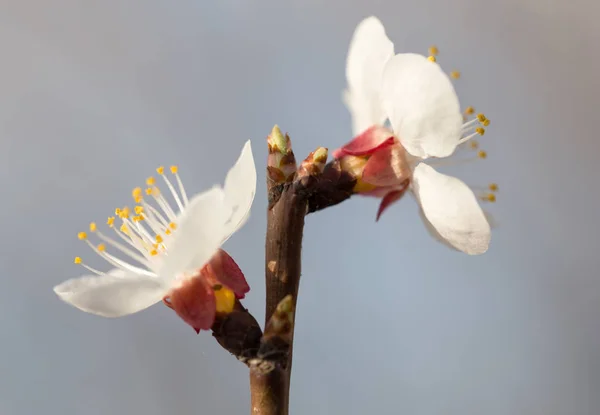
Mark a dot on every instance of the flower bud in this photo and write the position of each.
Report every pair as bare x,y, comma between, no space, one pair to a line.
314,164
281,163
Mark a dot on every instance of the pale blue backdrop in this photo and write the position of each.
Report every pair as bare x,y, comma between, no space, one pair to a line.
95,94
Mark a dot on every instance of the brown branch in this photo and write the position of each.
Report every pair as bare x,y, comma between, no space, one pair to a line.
238,332
285,224
313,187
331,187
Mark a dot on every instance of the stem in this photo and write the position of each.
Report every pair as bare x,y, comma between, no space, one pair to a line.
238,332
285,224
292,193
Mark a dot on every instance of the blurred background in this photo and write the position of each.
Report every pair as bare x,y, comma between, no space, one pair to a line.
94,95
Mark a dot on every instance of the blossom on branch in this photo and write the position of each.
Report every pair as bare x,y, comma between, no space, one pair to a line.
417,98
172,254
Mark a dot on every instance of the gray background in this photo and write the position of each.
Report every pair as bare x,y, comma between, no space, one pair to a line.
95,94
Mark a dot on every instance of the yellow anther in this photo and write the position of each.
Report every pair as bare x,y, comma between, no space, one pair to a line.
82,235
480,130
490,197
101,247
138,210
481,117
431,58
493,187
159,239
124,213
118,212
150,181
124,229
455,74
161,170
174,169
485,122
93,227
168,232
224,299
173,225
474,144
154,252
470,111
110,221
136,193
482,154
149,191
77,260
433,50
138,199
155,246
135,218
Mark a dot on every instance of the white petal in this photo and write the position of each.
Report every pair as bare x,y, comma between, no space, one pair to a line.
432,231
422,106
369,51
452,209
115,294
240,188
199,234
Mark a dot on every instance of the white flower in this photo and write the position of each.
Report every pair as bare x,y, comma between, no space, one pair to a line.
418,99
165,247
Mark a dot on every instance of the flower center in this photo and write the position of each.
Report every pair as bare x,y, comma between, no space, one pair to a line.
355,166
224,299
143,230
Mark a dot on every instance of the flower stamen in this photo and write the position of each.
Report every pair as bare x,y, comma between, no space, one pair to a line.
180,185
478,131
133,240
163,203
122,248
469,124
161,171
155,215
485,193
143,229
78,261
490,197
137,195
116,262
